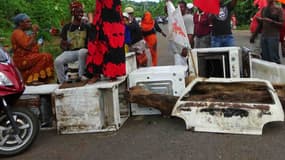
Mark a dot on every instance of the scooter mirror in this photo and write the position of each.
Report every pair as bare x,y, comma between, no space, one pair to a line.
3,55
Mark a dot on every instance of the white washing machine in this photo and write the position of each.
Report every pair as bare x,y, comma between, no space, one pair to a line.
168,80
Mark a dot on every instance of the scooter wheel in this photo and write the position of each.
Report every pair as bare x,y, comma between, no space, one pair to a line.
13,143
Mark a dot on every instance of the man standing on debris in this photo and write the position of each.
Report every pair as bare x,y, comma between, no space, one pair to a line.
270,22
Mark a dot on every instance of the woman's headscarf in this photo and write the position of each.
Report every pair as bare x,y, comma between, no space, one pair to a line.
20,18
147,22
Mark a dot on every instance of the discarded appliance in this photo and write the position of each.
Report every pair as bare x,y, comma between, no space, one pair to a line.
239,106
72,68
40,100
131,62
270,71
223,62
169,80
90,108
97,107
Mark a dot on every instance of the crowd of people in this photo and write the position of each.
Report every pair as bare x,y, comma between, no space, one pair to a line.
100,46
204,30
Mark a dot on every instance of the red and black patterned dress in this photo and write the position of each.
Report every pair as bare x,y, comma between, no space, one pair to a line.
106,45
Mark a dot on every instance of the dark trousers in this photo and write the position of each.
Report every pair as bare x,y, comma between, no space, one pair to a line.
270,48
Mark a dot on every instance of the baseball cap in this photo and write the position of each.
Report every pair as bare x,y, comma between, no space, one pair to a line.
190,5
129,10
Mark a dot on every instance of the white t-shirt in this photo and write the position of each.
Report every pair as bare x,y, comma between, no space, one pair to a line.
189,23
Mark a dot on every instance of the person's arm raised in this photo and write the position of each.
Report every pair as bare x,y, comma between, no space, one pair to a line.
233,3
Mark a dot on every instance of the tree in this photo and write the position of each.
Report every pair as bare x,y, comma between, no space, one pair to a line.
244,11
51,13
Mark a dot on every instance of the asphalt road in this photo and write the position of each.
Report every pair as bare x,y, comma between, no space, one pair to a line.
158,138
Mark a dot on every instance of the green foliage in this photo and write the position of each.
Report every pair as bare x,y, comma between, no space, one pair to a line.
53,13
244,11
45,13
8,9
52,46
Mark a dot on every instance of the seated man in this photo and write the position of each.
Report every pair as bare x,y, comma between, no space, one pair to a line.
74,43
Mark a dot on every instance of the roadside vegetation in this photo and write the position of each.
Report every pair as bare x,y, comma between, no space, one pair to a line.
54,13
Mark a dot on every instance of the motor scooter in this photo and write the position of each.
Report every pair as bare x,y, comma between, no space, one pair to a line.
19,126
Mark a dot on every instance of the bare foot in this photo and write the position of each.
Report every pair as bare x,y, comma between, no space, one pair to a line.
113,79
93,80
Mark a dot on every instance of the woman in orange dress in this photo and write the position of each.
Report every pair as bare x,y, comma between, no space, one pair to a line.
149,28
35,67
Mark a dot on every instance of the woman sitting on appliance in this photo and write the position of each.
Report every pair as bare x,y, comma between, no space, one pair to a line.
35,67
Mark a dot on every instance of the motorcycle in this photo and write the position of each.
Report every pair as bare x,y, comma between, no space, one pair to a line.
19,126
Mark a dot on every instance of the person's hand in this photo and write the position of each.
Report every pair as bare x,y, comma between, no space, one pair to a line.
65,45
184,52
259,18
163,34
264,19
35,28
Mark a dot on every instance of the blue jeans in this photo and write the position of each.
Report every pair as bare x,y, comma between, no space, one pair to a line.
222,41
270,49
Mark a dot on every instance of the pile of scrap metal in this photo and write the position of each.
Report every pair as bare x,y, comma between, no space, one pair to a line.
240,106
242,101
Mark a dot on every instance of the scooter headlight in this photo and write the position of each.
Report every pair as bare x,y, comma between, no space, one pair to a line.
4,80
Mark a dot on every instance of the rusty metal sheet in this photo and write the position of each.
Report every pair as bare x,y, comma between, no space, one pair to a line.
213,115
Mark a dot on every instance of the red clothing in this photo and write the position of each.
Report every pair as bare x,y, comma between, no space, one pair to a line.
201,24
106,46
209,6
147,25
254,22
33,65
260,3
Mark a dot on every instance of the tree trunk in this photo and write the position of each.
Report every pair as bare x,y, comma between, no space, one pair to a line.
162,102
165,103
